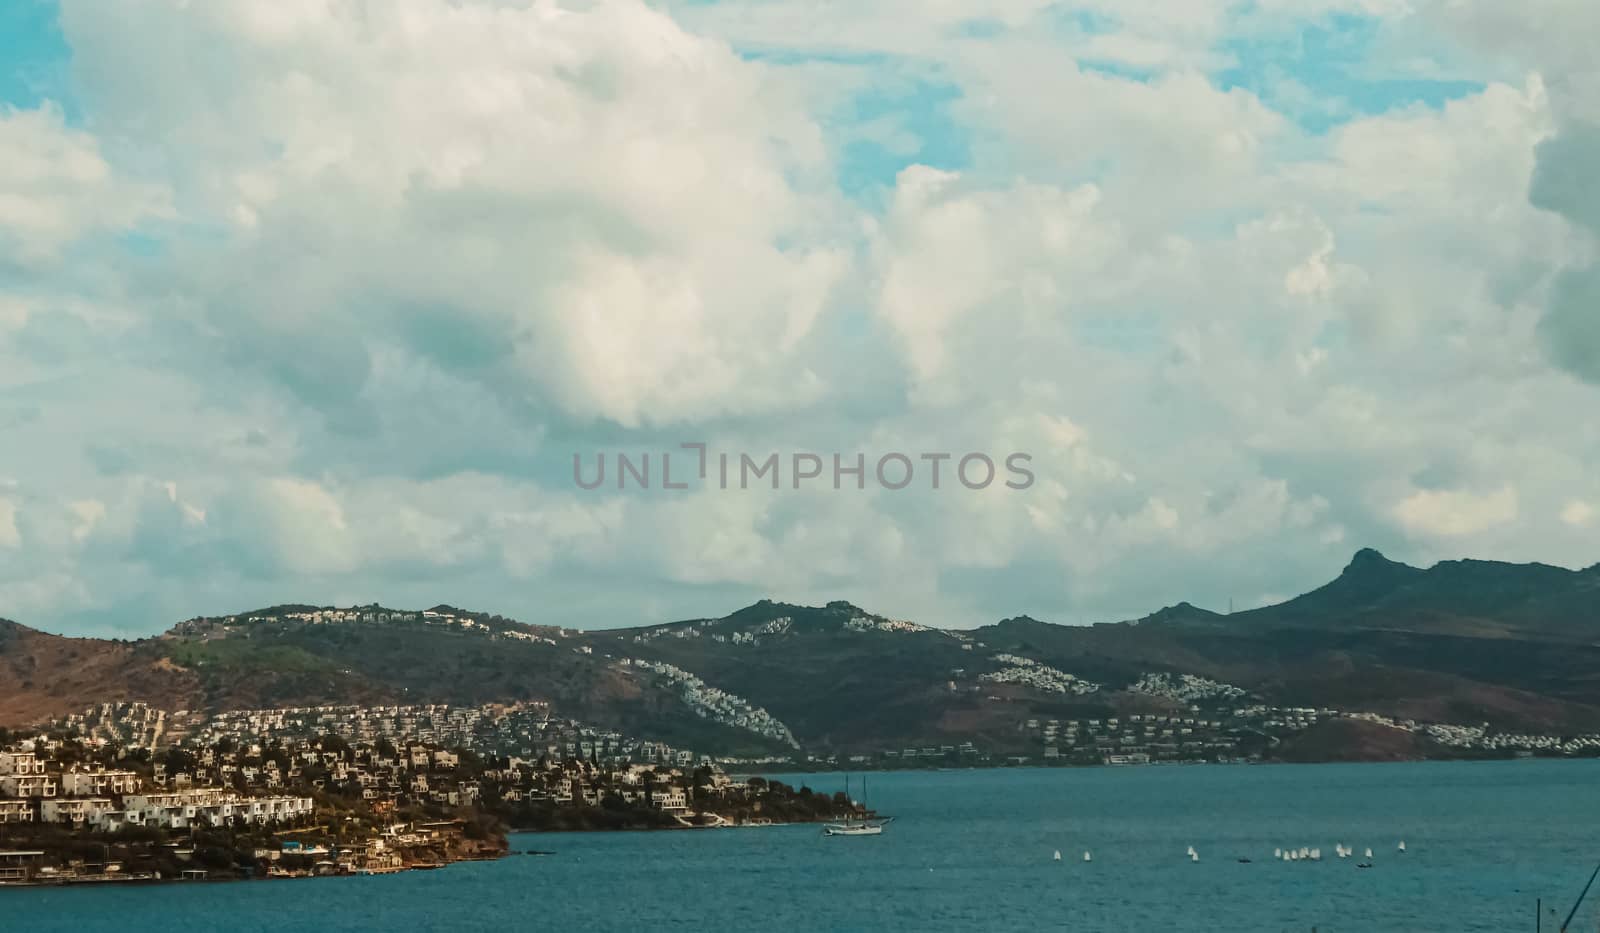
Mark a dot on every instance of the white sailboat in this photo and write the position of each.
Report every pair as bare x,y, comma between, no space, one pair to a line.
852,826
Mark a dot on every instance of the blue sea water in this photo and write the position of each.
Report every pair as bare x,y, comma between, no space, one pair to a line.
971,850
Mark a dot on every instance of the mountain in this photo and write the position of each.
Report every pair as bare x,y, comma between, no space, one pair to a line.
835,675
1515,646
1461,597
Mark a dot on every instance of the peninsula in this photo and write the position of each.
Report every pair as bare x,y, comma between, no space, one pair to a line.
226,803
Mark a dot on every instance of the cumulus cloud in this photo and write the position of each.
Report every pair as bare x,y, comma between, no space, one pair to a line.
1452,513
315,301
588,206
1564,183
1551,37
57,187
1577,513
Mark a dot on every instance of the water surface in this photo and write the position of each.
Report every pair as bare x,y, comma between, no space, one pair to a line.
971,850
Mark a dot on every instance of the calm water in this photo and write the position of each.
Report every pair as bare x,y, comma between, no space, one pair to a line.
972,851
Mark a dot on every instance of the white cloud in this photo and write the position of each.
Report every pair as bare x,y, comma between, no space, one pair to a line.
1454,513
57,186
963,266
1577,513
610,213
10,537
408,258
89,513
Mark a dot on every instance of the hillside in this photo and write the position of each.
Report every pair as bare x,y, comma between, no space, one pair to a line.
1491,648
837,675
1461,597
45,675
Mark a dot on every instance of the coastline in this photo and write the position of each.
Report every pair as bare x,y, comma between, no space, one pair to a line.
73,876
502,851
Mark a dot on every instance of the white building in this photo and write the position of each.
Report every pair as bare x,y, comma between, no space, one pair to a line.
20,763
99,783
29,785
78,811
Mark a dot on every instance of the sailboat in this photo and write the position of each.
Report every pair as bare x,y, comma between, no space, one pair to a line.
852,826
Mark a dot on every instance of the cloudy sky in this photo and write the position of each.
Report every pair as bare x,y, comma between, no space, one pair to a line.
314,300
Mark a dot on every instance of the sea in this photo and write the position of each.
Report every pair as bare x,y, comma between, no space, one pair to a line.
1499,846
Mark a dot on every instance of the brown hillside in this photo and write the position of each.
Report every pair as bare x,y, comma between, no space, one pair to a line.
44,675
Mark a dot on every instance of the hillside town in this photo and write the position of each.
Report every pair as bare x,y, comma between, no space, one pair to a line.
340,790
444,616
1210,722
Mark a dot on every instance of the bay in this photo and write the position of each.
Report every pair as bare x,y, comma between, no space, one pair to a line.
972,850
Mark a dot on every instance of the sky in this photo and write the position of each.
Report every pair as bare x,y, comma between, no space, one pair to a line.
317,300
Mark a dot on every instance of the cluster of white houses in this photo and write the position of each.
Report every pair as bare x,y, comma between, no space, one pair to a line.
46,779
109,800
525,730
377,615
716,704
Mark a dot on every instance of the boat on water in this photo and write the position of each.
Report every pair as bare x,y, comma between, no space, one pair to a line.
852,826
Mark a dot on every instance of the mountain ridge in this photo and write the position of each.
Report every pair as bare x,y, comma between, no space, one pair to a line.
1511,645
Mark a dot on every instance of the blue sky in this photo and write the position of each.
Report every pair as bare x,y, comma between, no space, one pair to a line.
35,52
316,302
